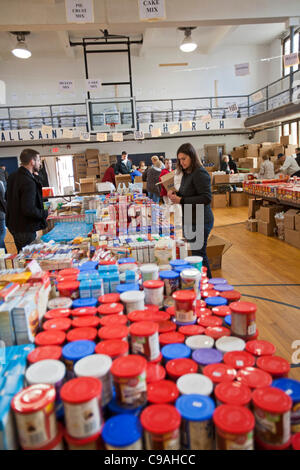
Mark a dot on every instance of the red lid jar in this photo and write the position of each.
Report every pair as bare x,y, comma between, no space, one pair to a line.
210,320
296,441
233,393
162,392
144,339
231,296
90,321
109,298
162,427
56,444
69,272
221,311
63,324
140,315
158,360
50,338
171,311
178,367
89,443
129,376
203,311
84,311
254,378
243,320
191,330
274,365
185,306
260,348
209,293
166,327
219,373
113,332
200,303
111,309
171,338
234,428
78,334
57,313
113,320
217,332
155,372
44,352
154,292
239,359
113,348
68,289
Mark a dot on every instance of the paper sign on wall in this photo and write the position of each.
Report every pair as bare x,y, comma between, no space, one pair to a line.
66,85
242,69
233,108
67,134
2,92
139,135
93,84
47,129
85,136
291,59
152,10
101,136
174,129
79,11
257,96
117,136
186,125
206,118
155,132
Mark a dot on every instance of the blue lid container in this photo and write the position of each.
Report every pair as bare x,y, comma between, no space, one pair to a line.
205,356
122,430
176,351
126,260
89,266
223,287
227,320
176,263
179,269
126,287
195,407
78,349
82,303
215,301
168,275
115,409
217,280
290,386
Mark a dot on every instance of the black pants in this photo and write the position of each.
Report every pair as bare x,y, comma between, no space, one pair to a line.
23,238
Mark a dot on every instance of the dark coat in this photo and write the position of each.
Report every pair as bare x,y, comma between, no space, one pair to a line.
25,209
123,169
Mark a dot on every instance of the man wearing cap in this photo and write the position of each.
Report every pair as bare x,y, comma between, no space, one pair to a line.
124,167
289,166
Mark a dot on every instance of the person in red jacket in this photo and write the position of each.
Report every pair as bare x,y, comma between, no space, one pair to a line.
166,170
109,175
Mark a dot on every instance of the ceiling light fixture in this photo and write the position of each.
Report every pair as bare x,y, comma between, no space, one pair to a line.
188,45
21,50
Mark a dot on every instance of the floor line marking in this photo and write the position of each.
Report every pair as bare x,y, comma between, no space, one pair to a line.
271,300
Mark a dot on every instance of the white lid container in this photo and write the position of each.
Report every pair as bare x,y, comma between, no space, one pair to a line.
230,343
133,299
149,272
194,383
190,273
48,371
96,365
199,342
193,259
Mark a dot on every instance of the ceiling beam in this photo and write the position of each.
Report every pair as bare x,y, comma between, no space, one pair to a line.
65,42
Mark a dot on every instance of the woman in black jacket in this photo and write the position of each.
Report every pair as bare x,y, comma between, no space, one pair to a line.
195,190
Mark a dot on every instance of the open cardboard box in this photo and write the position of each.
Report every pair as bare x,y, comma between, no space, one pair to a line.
168,181
216,247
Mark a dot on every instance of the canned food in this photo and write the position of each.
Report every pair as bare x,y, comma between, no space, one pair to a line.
195,261
175,351
122,432
133,300
44,352
113,332
69,289
155,372
111,309
98,366
206,356
109,298
239,359
231,296
216,332
209,320
177,367
171,338
113,320
56,444
199,342
81,334
161,424
75,351
162,392
62,324
113,348
218,373
221,311
129,375
260,348
154,292
57,313
191,330
166,327
89,443
254,378
243,320
50,338
149,272
292,389
171,281
234,428
233,393
84,311
190,279
144,339
274,365
185,306
86,322
229,344
59,303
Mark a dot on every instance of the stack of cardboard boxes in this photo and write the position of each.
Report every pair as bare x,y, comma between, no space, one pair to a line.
89,168
225,199
261,217
292,227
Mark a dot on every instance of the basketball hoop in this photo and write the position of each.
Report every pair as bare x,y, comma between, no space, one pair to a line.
112,125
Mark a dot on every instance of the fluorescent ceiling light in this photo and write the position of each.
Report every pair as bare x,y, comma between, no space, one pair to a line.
21,50
188,44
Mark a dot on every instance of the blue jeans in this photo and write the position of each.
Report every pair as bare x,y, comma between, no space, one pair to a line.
2,233
155,197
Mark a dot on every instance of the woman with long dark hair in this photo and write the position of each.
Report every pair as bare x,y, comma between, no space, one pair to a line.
194,189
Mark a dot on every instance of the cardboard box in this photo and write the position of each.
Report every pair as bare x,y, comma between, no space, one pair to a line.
289,219
251,150
238,199
93,162
92,171
126,179
253,206
168,181
113,159
238,152
210,168
220,200
91,153
266,228
292,237
286,139
87,185
104,158
277,149
216,248
267,213
297,222
217,179
251,163
290,150
251,225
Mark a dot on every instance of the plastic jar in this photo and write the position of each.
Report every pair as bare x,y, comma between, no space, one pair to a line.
204,357
56,444
81,334
190,279
274,365
215,301
44,352
178,367
209,320
166,327
171,281
199,342
69,289
129,376
195,262
144,339
122,432
133,300
221,311
223,288
205,294
50,338
194,383
170,338
35,415
155,373
292,389
111,309
154,292
196,428
161,425
191,330
149,272
231,296
272,411
89,443
216,332
296,441
113,320
113,332
62,324
233,393
217,280
175,351
227,320
122,288
254,378
82,404
239,359
109,298
162,392
219,373
185,306
98,366
57,313
86,322
59,302
243,319
84,312
179,263
260,348
229,344
113,348
84,303
69,272
234,428
75,351
140,315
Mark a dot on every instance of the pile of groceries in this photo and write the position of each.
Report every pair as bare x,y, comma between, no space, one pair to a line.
114,354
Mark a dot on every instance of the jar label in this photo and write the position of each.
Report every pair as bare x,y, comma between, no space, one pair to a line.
132,391
272,428
36,429
83,419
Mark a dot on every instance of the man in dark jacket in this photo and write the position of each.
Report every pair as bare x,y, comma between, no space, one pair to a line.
124,167
25,210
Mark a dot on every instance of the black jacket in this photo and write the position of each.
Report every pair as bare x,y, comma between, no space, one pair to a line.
224,167
122,168
25,209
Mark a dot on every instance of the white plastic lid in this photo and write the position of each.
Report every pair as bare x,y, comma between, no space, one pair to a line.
96,366
149,268
60,302
191,273
199,342
48,371
230,343
193,259
194,383
132,296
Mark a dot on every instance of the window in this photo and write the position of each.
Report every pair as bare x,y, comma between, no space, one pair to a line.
286,50
294,133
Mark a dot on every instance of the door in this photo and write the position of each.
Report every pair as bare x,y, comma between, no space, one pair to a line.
10,163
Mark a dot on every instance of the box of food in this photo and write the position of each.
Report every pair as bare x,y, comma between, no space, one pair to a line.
87,185
238,199
251,225
289,219
220,200
266,228
91,153
168,181
286,139
219,179
126,179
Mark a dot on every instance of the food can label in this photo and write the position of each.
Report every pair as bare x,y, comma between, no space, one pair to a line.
185,316
170,441
197,435
135,446
154,296
83,419
243,325
226,441
37,429
272,428
171,285
295,418
132,391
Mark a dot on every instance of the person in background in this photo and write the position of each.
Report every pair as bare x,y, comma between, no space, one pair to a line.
124,166
225,165
162,159
135,172
25,209
195,189
142,166
109,175
232,165
266,170
152,178
165,171
298,155
289,166
2,215
3,174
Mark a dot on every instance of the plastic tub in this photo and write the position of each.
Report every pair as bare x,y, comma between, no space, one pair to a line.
185,306
154,292
196,428
179,324
133,300
109,298
229,344
191,330
292,389
48,371
209,320
190,279
57,313
217,332
243,320
81,334
83,303
113,408
161,425
199,342
113,332
224,288
175,351
162,392
203,312
84,312
204,357
56,444
50,338
129,375
122,288
274,365
171,338
233,393
89,443
157,361
254,378
86,322
227,320
75,351
113,320
149,272
260,348
34,411
155,373
98,366
205,294
221,311
239,359
148,315
217,280
231,296
122,432
215,301
194,383
44,352
166,327
179,263
219,373
59,303
234,428
177,367
82,404
113,348
195,262
69,272
171,281
144,339
111,309
272,410
69,289
171,311
62,324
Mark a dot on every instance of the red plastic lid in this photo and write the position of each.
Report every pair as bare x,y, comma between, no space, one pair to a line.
148,315
63,324
233,393
33,398
143,328
239,359
111,320
296,441
272,399
81,390
260,348
170,338
50,338
275,365
209,293
153,284
254,378
113,332
160,419
171,311
178,367
203,312
69,272
233,419
44,352
219,373
191,330
209,320
243,307
129,366
159,316
217,332
78,334
112,348
231,295
157,360
81,442
222,311
71,278
166,327
109,298
57,313
162,392
155,308
200,303
84,311
155,372
111,309
53,443
184,295
89,321
68,285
